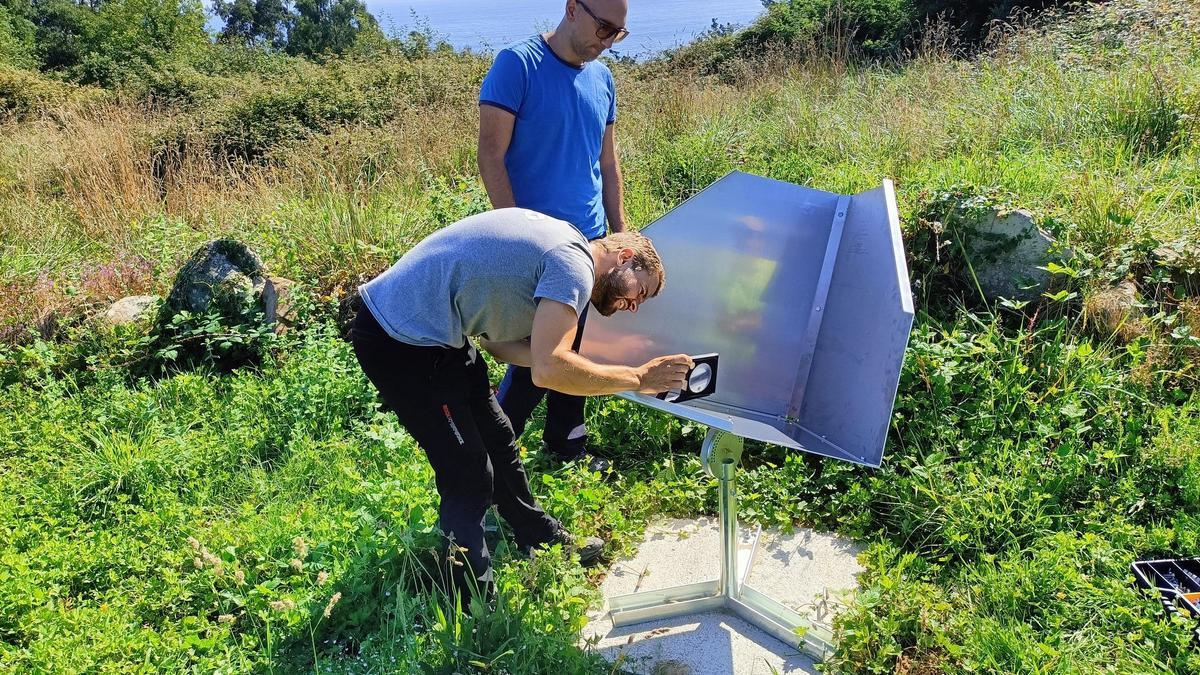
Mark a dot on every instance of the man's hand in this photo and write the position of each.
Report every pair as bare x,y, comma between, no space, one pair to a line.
664,374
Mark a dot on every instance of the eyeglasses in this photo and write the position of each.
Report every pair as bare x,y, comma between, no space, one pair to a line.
604,29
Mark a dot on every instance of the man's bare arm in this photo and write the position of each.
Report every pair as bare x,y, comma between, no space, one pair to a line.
556,367
516,352
495,133
613,187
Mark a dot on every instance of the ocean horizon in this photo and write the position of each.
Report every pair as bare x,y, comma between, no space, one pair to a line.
488,25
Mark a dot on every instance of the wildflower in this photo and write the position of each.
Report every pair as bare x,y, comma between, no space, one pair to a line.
300,547
322,577
239,576
332,601
453,553
296,564
226,618
194,543
206,558
283,605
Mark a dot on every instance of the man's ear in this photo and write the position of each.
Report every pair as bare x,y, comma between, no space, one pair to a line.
624,256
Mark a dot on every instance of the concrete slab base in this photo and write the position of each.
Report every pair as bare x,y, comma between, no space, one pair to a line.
808,571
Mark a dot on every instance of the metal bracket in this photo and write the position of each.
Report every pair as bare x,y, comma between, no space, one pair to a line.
721,454
817,314
720,448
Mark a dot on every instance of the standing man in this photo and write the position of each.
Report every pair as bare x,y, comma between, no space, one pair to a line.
517,280
546,115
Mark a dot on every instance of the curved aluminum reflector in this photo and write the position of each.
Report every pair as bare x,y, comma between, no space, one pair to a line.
805,296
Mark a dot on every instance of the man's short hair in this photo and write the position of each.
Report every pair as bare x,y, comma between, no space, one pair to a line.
644,255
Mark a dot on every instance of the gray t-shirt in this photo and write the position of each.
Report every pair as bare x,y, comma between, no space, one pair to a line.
482,276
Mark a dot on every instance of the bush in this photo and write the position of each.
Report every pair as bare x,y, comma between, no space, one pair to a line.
17,44
972,17
25,93
874,29
300,99
877,27
130,38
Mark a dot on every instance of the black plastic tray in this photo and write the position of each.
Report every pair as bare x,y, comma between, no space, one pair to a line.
1177,583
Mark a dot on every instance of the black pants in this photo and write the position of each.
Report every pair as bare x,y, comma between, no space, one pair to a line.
565,434
443,398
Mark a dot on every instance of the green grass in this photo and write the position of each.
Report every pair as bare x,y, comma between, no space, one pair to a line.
205,520
160,523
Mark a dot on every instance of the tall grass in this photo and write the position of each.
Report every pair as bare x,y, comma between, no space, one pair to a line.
1040,115
1029,463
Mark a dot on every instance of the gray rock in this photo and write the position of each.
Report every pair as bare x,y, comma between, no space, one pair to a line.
222,274
130,310
1114,312
279,303
1006,248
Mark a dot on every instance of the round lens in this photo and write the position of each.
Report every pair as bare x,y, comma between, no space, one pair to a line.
700,377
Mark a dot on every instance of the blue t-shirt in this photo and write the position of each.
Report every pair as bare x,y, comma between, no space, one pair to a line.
562,112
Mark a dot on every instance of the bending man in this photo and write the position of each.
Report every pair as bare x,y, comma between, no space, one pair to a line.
518,281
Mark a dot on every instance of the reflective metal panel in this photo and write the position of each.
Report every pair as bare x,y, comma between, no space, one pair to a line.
869,313
753,274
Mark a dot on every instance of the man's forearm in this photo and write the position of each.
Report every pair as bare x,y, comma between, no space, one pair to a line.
495,181
569,373
614,197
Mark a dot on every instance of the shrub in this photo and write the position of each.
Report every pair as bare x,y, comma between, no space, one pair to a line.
304,99
874,29
800,28
130,38
17,45
25,93
877,27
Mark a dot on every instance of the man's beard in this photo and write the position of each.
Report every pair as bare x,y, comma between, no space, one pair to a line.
608,289
584,49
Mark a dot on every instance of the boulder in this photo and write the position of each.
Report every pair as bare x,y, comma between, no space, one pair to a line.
279,305
223,274
1114,312
130,309
1006,250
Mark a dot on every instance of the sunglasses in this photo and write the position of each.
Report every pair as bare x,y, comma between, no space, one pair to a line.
604,29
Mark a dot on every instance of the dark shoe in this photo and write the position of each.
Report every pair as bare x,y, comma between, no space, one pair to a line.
585,458
590,549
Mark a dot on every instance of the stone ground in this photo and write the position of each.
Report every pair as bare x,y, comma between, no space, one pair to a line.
807,571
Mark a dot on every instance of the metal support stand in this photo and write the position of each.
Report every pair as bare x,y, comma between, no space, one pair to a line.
721,454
